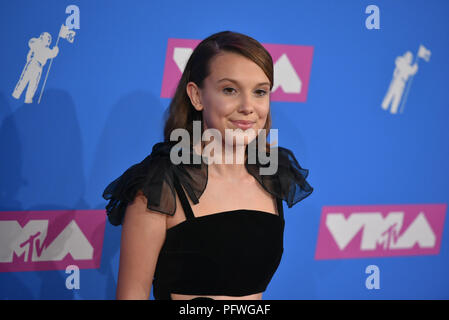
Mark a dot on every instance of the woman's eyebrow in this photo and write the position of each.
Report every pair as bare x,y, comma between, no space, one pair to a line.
235,81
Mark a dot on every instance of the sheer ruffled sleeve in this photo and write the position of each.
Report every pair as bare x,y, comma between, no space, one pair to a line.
154,177
289,182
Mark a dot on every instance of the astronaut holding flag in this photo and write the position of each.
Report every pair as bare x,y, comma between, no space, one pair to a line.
37,57
403,71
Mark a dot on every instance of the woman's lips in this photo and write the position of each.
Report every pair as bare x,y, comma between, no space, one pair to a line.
243,124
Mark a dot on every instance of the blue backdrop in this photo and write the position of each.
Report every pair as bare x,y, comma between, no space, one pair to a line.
101,111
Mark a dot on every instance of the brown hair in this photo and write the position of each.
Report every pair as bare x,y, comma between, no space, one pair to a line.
181,113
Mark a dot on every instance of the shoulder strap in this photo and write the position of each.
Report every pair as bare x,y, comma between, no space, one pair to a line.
280,207
184,202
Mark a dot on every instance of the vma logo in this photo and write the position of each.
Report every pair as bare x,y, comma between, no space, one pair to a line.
292,66
51,240
380,231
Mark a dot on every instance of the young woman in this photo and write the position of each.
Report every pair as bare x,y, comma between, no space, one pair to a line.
209,229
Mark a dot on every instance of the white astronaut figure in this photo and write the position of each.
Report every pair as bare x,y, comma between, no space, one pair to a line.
402,72
37,57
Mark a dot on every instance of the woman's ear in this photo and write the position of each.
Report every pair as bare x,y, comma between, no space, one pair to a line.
194,94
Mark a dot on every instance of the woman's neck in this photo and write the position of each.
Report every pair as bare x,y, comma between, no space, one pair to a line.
224,161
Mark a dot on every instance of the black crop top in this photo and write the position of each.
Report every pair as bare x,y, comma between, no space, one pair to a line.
232,253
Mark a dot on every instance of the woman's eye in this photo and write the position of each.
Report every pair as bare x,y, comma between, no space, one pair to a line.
260,93
227,89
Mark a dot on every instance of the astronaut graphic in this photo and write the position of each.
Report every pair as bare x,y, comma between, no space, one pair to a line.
37,57
404,69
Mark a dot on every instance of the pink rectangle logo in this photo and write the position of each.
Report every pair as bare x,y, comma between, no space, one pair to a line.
51,240
292,67
380,231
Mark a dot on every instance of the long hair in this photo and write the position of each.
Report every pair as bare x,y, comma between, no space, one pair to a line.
181,113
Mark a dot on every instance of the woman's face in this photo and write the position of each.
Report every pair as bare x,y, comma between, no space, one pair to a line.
236,90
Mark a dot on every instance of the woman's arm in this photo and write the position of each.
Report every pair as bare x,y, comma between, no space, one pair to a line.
143,234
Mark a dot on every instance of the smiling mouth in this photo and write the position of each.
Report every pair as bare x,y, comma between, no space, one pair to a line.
243,124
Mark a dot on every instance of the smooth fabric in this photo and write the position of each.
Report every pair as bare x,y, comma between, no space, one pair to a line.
232,253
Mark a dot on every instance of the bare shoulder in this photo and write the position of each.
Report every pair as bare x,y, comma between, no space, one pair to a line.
143,234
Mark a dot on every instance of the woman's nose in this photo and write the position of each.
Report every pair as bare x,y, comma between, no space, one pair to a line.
246,104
